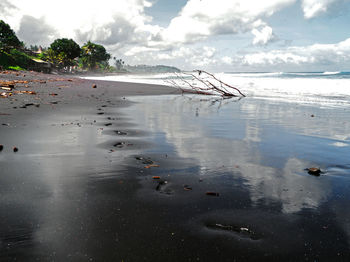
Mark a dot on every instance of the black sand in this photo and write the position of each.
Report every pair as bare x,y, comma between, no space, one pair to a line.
103,177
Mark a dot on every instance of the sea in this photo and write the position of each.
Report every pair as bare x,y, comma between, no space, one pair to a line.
234,173
322,88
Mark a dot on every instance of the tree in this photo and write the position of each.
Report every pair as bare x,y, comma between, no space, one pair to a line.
93,54
33,48
119,63
8,38
63,51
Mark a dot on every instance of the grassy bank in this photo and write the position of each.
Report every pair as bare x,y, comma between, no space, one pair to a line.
15,60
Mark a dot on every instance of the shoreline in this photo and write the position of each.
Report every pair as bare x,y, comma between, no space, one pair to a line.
132,172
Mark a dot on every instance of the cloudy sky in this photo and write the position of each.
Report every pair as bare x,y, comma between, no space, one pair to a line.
217,35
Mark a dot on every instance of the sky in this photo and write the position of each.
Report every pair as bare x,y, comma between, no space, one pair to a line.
215,35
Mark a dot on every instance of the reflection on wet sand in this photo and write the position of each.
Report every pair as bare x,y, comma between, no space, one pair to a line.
213,142
264,149
175,178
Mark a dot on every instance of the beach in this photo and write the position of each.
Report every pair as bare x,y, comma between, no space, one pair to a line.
119,171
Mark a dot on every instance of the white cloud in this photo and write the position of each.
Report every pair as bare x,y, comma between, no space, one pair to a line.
312,57
126,30
318,54
186,57
6,7
274,57
197,20
108,22
313,8
139,49
119,22
200,19
264,36
36,31
227,60
197,57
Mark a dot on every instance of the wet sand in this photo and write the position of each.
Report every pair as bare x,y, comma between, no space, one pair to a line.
104,175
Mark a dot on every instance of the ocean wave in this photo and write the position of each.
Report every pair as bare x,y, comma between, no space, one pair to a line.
296,74
289,74
254,74
332,73
323,88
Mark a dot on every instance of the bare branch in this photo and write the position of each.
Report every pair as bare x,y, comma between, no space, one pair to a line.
205,83
202,71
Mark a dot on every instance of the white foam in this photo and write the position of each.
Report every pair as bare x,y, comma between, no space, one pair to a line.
331,73
319,90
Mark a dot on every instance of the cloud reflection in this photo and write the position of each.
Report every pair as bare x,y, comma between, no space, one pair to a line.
238,137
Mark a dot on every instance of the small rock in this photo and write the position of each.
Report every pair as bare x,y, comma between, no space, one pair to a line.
147,162
244,229
160,184
315,171
119,144
7,88
212,193
187,188
152,165
120,133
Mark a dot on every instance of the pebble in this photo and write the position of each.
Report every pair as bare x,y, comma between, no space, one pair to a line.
314,171
212,194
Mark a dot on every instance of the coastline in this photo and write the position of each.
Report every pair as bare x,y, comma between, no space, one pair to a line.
120,172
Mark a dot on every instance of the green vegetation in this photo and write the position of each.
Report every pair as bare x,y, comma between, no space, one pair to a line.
16,68
62,52
8,38
12,52
15,58
64,55
119,64
94,56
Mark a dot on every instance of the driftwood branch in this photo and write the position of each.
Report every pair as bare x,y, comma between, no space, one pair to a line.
204,83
